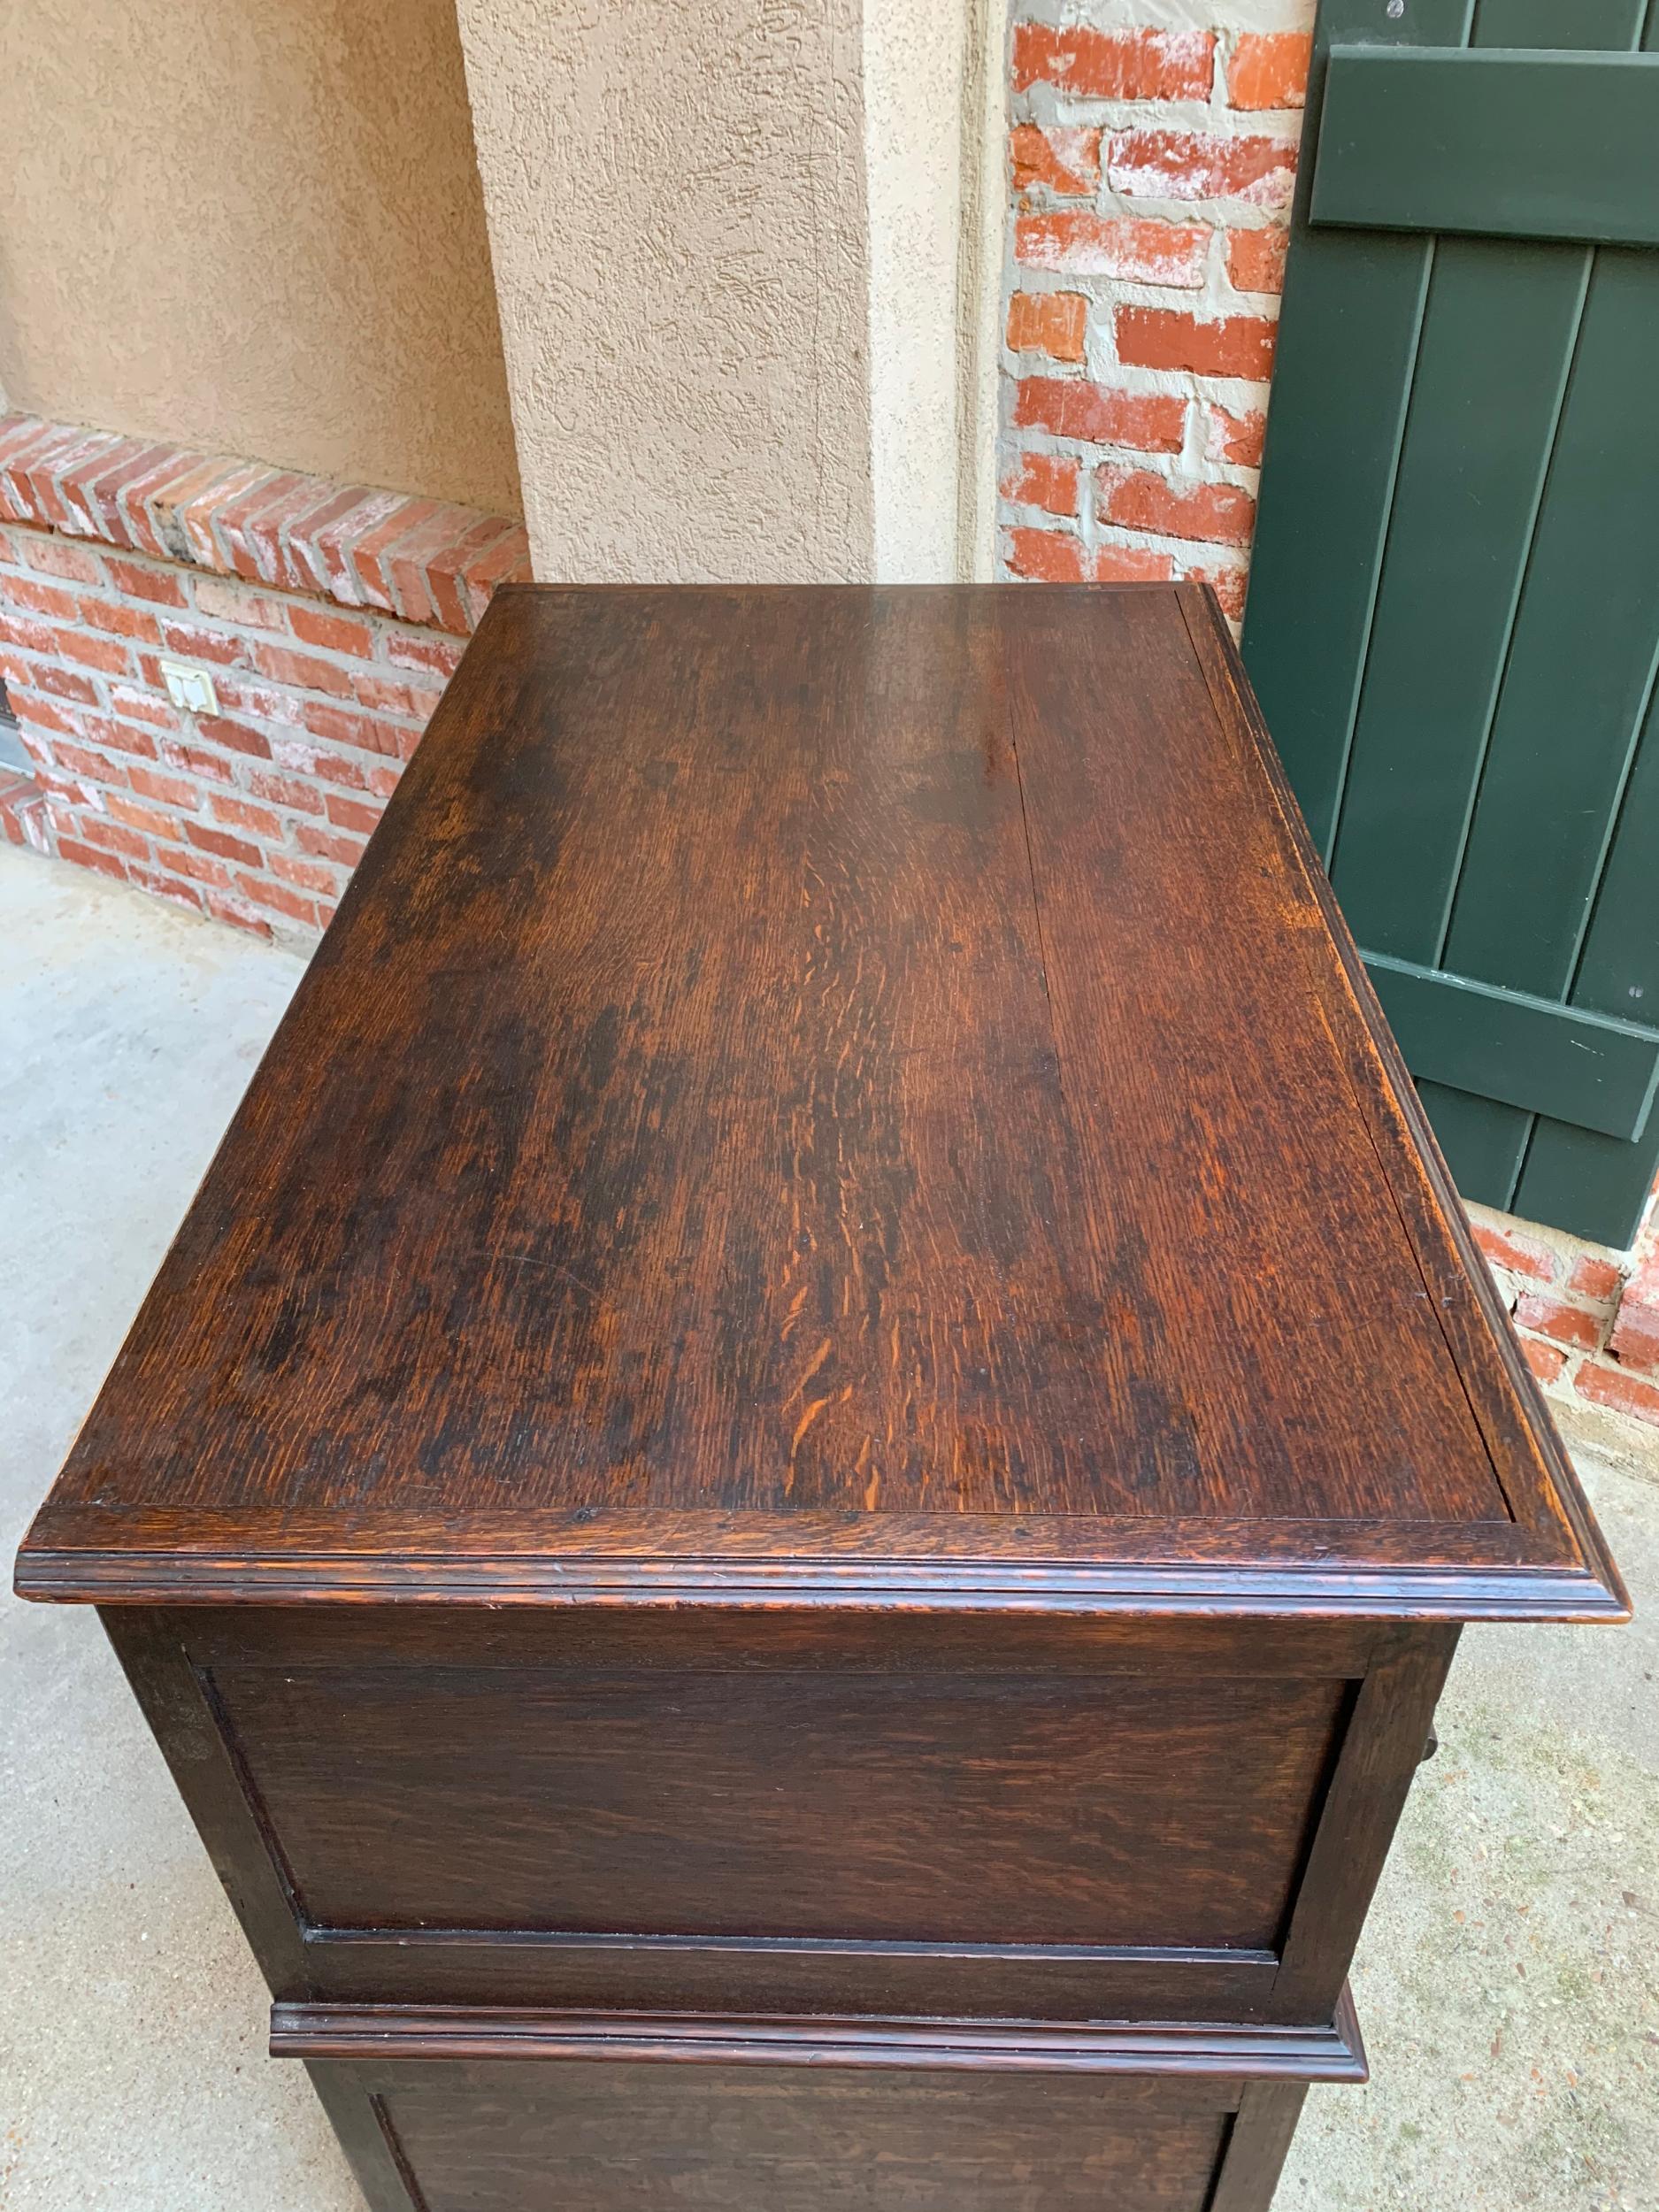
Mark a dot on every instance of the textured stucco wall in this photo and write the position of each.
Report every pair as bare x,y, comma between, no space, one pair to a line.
913,94
748,260
255,226
981,251
934,75
676,207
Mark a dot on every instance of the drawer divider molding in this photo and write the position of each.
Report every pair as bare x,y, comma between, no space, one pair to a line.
1331,2051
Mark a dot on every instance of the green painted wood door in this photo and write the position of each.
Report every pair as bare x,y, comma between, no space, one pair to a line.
1454,610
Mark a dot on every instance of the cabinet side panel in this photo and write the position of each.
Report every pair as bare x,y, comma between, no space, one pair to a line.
201,1757
1381,1752
361,2121
1258,2145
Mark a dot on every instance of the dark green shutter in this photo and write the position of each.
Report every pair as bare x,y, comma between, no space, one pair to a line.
1454,611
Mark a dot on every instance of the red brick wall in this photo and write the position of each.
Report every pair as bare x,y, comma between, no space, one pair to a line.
328,617
1150,174
1588,1320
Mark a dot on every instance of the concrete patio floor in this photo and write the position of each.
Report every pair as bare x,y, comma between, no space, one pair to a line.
1509,1983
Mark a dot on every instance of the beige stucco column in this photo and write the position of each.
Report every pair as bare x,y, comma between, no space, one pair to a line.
747,255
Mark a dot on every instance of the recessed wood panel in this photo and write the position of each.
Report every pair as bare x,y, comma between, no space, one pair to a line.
782,1052
526,2138
918,1806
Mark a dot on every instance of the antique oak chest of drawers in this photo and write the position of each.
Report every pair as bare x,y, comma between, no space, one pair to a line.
792,1505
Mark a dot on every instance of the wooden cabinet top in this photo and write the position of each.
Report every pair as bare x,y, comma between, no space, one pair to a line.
832,1095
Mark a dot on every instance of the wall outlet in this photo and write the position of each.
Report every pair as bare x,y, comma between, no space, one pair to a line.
190,688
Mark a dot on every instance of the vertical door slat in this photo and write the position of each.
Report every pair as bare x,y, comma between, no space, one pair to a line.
1578,671
1492,368
1454,616
1355,299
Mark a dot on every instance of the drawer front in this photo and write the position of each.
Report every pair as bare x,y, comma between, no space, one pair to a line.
529,2137
975,1818
1118,1808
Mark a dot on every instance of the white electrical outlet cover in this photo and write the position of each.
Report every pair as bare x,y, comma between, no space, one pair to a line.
190,688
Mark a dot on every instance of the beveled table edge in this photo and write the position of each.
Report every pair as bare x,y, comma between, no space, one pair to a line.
90,1555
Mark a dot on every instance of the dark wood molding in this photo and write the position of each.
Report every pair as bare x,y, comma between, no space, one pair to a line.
723,1639
453,1968
943,1562
1329,2053
1532,1464
1161,1958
